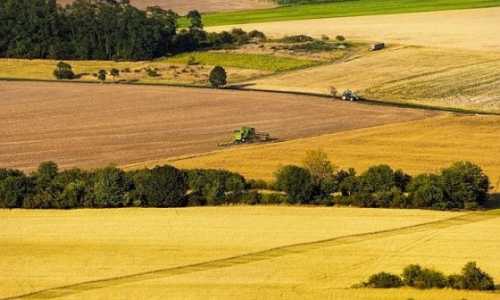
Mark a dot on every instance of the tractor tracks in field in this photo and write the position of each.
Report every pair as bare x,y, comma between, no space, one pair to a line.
248,258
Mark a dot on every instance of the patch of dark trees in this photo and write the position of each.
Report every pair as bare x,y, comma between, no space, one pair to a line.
471,278
102,30
461,186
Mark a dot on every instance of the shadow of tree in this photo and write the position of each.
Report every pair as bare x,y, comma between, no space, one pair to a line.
494,201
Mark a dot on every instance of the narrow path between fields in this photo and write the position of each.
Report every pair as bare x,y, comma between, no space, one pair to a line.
250,257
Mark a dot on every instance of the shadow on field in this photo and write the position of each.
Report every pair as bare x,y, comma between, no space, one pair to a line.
494,201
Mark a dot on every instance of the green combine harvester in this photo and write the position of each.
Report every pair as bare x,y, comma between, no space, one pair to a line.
247,135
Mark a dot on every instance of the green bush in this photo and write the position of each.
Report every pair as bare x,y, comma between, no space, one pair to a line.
257,35
273,198
422,278
473,278
240,36
296,182
250,198
257,184
383,280
63,71
215,187
301,38
313,46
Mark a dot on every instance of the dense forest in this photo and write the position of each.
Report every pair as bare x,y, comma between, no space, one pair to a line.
97,29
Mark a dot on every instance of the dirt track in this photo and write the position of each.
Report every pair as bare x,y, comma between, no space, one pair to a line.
468,29
183,6
90,125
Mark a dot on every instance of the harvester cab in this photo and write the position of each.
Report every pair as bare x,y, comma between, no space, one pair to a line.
243,135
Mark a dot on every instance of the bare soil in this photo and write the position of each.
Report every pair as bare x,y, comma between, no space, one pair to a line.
91,125
183,6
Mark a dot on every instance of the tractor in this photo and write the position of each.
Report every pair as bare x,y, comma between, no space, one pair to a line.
349,95
247,135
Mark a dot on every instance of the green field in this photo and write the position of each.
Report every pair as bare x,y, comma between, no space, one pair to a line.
340,9
262,62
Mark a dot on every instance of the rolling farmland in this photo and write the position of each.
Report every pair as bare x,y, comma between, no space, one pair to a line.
337,9
439,53
416,147
288,251
438,77
91,125
473,29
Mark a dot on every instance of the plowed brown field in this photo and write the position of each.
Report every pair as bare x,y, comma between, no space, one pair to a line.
90,125
183,6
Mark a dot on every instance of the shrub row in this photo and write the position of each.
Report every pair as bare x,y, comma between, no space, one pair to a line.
463,185
112,187
471,278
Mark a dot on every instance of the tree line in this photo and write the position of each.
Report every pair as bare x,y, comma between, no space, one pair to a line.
463,185
101,30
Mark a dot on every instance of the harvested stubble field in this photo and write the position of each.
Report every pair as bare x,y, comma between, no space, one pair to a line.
183,6
474,29
432,76
91,125
416,147
235,252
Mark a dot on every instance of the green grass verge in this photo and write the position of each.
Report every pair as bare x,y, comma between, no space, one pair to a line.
339,9
262,62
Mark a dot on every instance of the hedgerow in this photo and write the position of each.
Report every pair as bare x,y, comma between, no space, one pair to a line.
461,186
471,278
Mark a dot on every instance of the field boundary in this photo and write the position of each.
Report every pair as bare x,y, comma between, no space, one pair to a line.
244,88
263,255
322,10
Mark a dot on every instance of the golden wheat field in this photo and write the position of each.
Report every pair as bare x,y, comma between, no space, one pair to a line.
131,72
235,252
475,29
418,146
440,77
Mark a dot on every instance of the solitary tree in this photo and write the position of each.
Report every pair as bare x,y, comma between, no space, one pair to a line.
218,77
63,71
101,75
115,73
